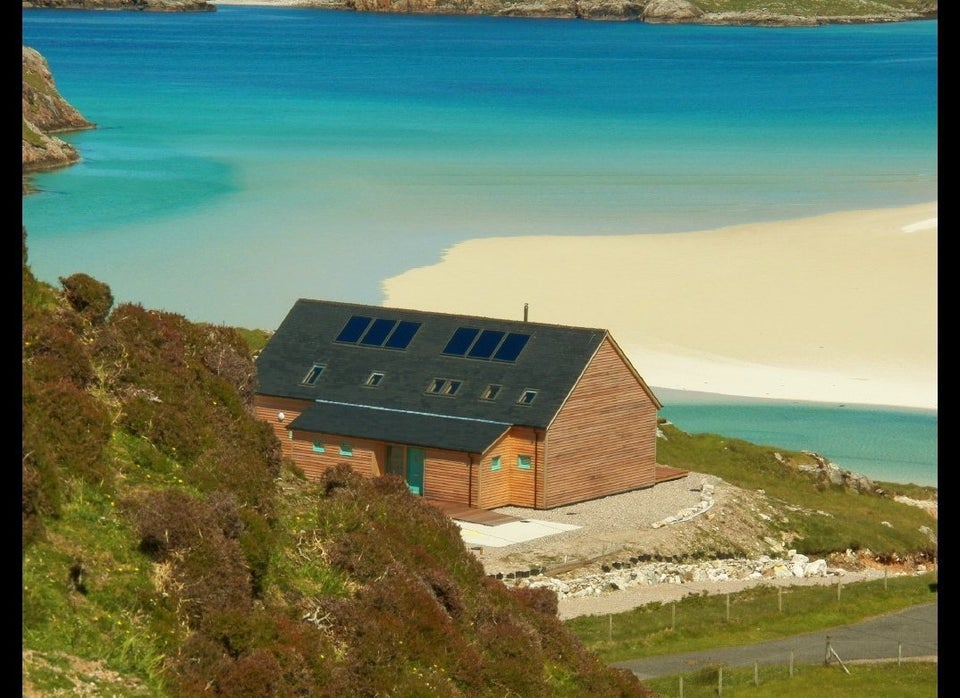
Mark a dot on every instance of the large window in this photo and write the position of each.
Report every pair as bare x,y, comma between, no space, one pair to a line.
495,463
523,462
346,449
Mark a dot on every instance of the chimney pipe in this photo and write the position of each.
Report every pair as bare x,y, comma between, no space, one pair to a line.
525,307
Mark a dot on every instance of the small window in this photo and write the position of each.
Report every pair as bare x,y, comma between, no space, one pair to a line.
527,397
523,462
451,387
313,374
495,463
346,450
491,392
374,379
318,447
436,385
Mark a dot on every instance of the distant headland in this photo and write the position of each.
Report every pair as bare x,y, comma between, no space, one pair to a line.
710,12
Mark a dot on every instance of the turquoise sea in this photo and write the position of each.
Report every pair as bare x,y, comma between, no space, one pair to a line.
248,157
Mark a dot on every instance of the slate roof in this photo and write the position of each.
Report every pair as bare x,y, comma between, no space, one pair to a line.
401,408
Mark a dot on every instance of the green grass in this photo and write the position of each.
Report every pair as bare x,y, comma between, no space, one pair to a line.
813,8
755,615
761,614
884,680
821,517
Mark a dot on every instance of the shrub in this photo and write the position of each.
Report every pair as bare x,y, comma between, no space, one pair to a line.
209,569
67,431
540,599
90,298
52,351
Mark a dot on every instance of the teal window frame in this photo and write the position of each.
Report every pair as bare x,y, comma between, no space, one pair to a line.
318,447
524,462
495,463
346,450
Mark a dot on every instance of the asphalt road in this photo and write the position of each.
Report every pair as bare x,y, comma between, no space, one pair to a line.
909,634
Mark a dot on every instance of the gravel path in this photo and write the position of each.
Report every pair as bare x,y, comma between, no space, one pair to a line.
607,525
643,519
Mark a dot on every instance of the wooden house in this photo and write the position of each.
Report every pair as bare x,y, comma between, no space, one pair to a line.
476,411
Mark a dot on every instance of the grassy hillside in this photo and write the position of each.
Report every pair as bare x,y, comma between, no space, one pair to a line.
819,510
167,550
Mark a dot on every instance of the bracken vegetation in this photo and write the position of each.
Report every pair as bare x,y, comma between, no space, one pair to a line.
167,549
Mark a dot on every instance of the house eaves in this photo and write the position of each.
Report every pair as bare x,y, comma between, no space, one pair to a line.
410,428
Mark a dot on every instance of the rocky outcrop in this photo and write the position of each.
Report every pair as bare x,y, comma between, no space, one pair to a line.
651,11
142,5
45,112
671,12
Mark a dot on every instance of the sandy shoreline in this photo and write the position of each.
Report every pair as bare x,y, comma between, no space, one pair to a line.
839,308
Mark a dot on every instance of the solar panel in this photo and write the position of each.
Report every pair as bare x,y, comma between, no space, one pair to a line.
511,347
402,335
460,341
485,344
354,328
378,332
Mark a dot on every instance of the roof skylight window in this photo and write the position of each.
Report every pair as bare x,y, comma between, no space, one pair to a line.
527,397
379,332
444,386
313,374
486,344
491,392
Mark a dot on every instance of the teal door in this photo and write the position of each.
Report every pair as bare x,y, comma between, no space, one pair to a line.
415,470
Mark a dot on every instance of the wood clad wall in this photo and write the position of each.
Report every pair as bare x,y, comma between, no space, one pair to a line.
511,486
604,439
367,459
446,475
267,408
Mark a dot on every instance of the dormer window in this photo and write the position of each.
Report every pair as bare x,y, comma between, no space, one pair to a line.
444,386
313,374
527,397
374,379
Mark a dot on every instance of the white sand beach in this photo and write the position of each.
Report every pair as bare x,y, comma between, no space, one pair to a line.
839,308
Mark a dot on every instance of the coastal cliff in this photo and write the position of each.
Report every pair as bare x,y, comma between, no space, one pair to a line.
45,112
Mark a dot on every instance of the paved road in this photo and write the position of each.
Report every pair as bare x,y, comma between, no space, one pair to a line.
908,634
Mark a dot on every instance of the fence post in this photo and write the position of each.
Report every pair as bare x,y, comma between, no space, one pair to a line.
728,608
826,656
756,674
673,615
780,599
838,590
681,687
720,682
791,663
610,626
